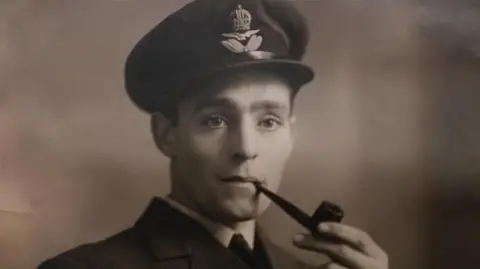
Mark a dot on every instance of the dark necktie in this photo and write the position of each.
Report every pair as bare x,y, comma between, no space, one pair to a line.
240,247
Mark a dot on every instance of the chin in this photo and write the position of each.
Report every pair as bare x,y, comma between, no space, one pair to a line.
235,217
241,210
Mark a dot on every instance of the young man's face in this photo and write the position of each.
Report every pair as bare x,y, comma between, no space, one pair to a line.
243,128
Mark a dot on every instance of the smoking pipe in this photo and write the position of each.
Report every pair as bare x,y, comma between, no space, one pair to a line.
326,211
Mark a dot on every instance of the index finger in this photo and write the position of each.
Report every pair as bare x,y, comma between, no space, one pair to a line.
353,236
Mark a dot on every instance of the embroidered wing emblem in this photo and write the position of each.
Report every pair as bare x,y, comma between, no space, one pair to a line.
241,36
254,43
244,40
233,45
260,54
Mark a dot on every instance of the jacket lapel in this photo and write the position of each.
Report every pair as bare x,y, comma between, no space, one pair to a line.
175,241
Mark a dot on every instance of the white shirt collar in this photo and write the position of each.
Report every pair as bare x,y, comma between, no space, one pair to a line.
222,233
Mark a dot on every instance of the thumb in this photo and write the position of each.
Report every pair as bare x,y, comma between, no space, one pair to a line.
298,239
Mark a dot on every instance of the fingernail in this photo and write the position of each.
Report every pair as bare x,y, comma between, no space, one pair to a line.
323,227
298,237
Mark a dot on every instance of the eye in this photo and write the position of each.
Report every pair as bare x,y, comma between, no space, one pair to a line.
215,121
270,123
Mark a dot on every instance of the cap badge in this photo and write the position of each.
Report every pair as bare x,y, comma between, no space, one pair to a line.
244,40
242,19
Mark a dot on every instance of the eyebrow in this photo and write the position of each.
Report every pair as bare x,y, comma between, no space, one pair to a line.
228,103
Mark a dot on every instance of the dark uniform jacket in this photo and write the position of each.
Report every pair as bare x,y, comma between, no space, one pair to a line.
164,238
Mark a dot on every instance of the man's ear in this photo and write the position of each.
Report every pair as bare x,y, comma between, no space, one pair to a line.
163,134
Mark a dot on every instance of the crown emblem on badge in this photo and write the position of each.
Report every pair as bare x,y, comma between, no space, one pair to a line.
243,39
241,19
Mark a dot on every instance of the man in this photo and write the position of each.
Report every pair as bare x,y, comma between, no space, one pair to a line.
219,79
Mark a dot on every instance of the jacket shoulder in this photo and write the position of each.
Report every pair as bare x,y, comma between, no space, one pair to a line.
124,246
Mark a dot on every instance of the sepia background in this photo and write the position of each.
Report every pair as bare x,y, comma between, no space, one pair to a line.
389,128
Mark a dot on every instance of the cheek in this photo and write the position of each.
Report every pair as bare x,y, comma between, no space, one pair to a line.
202,151
277,149
206,146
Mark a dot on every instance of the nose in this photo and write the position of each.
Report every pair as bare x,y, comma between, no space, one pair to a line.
244,143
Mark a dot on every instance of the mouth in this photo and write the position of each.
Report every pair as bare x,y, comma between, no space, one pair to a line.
241,179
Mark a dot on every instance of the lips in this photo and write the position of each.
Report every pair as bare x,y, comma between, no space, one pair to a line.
240,179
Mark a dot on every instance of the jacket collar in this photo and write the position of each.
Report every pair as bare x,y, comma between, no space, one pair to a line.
171,235
222,233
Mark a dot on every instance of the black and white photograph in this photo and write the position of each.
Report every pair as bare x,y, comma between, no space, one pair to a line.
239,134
